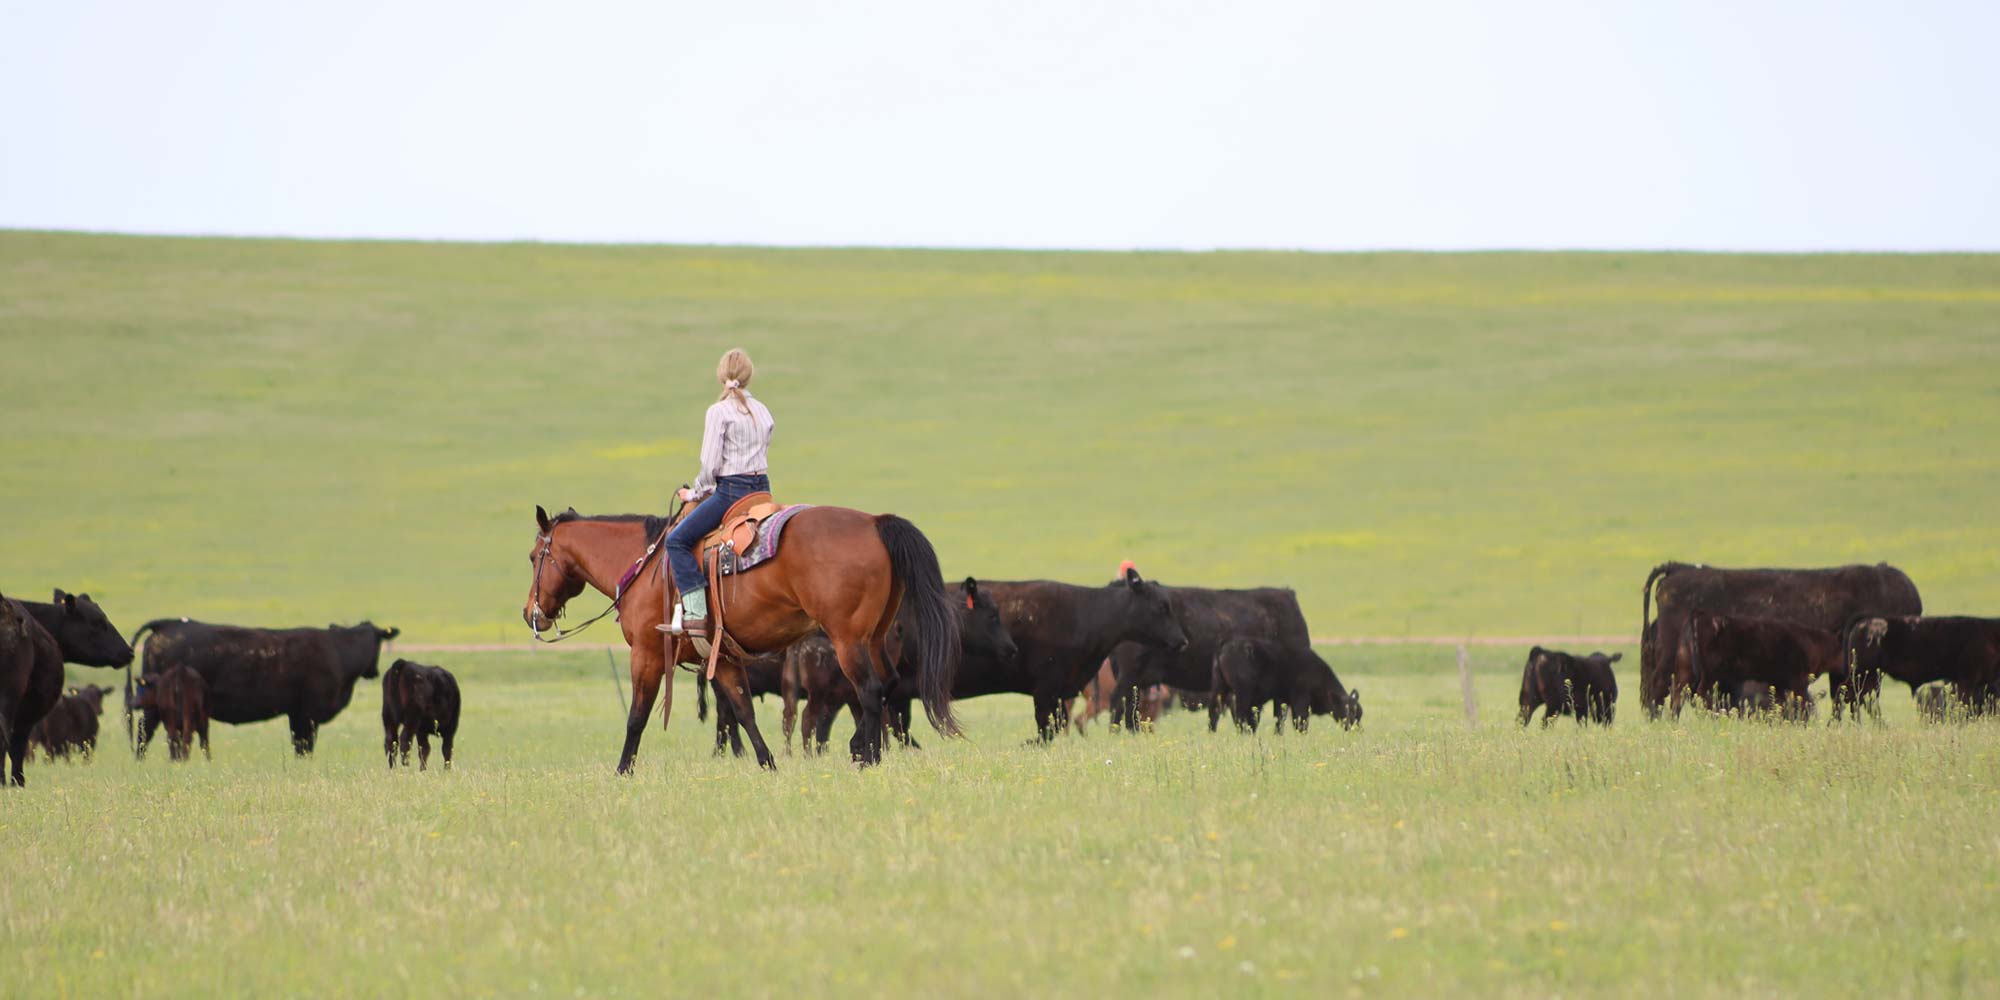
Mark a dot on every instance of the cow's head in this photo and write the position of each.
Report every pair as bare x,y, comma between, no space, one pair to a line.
1150,618
1531,683
86,636
93,695
380,635
555,579
980,628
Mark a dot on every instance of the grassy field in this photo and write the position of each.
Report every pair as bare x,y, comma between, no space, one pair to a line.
1415,856
1504,444
280,433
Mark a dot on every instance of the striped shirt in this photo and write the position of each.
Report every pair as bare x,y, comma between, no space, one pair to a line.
734,443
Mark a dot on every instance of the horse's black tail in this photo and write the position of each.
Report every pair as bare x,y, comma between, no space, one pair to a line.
914,564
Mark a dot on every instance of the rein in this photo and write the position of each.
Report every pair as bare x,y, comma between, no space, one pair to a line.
548,540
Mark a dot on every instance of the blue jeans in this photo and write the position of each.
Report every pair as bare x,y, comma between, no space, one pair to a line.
704,518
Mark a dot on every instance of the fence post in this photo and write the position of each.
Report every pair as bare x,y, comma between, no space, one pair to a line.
1465,687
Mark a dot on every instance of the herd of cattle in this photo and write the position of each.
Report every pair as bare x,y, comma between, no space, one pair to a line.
1734,639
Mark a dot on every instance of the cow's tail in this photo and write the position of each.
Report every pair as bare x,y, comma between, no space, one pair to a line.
700,698
1646,598
131,723
934,639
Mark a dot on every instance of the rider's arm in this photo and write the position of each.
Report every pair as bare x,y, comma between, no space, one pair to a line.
711,453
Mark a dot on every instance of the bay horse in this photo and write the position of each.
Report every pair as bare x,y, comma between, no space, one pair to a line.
837,569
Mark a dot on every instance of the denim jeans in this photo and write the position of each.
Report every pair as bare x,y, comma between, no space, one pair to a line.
704,518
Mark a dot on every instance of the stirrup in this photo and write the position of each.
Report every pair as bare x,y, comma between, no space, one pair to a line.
677,626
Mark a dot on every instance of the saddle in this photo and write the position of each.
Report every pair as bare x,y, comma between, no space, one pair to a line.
747,537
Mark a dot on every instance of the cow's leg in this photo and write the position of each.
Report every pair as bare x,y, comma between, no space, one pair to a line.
149,723
823,732
16,748
791,716
649,666
733,687
445,734
724,719
1279,712
389,741
1048,715
424,746
201,728
303,731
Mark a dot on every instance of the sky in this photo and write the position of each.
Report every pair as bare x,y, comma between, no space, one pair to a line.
1419,124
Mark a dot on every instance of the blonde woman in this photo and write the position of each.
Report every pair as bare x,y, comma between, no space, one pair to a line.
735,443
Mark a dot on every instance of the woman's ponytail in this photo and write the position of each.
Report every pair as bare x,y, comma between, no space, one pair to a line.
734,371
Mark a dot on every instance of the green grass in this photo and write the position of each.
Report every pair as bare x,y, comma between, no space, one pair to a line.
278,433
1416,856
293,432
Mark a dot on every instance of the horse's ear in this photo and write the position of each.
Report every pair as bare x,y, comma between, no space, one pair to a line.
542,519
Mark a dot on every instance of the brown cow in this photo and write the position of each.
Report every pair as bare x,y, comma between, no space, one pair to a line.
1826,599
178,698
72,724
1726,654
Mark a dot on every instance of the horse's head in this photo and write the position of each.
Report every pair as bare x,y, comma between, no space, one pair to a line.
556,578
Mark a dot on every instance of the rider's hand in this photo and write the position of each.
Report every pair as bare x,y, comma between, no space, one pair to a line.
686,494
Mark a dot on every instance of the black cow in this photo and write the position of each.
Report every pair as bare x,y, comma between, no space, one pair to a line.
418,700
35,640
306,675
1249,672
72,724
1561,684
817,671
1728,653
1210,618
1826,599
1958,651
1063,633
178,698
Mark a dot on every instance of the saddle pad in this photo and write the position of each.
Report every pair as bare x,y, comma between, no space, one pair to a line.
765,545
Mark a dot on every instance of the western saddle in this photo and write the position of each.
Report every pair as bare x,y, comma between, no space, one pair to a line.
718,553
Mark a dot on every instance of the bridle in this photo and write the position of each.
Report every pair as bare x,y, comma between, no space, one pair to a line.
547,540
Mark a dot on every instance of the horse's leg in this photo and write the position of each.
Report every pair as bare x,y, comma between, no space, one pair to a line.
732,687
865,673
649,666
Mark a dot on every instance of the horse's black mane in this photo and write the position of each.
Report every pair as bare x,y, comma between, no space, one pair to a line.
653,524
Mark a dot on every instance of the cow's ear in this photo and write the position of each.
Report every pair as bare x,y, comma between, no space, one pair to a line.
542,519
1130,572
1615,657
1536,653
388,634
68,601
971,586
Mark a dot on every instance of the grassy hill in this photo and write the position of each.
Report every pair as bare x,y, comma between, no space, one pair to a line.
296,432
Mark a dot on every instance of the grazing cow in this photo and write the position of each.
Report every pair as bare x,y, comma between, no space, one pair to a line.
72,724
1958,651
1726,652
1561,684
1063,633
1824,599
306,675
1249,672
1210,618
35,640
178,698
418,700
811,663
